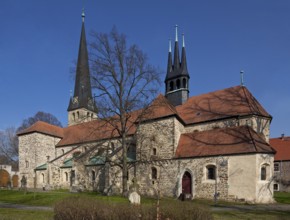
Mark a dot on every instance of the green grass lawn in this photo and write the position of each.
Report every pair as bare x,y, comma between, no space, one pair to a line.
50,198
282,197
16,214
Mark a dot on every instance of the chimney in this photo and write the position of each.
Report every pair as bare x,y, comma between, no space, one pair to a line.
282,136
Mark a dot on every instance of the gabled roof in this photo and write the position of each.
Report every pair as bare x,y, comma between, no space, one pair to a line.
159,108
233,101
44,128
282,146
222,141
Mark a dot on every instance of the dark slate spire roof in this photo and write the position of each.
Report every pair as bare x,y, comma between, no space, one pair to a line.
178,68
183,59
82,97
169,65
176,61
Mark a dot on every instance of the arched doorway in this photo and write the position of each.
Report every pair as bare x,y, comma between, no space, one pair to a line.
15,181
186,183
4,178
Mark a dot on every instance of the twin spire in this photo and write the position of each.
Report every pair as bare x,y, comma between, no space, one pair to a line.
177,67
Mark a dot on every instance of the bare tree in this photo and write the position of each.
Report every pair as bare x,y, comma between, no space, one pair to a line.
8,146
125,85
39,116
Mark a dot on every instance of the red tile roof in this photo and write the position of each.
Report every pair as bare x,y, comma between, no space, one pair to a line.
215,105
234,101
282,146
222,141
159,108
45,128
92,131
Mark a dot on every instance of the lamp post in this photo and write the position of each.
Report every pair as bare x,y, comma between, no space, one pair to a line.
222,162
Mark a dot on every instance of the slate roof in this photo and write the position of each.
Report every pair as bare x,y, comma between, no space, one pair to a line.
222,141
282,146
233,101
82,91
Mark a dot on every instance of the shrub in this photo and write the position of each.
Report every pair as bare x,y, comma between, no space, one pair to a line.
76,208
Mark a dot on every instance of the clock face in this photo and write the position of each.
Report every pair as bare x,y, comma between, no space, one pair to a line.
75,100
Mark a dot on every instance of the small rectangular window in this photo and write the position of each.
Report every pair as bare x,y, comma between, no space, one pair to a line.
276,187
211,172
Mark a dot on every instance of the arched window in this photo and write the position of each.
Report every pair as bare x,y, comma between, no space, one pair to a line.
92,116
78,114
42,178
65,176
178,84
265,171
74,116
211,172
171,86
88,115
184,83
62,151
93,175
153,173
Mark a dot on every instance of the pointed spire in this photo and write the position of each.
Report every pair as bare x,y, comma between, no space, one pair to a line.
169,63
183,58
176,61
82,97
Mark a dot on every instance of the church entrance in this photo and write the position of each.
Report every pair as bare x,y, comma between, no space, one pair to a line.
186,184
4,178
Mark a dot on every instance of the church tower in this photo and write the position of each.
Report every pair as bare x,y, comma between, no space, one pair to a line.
177,77
82,106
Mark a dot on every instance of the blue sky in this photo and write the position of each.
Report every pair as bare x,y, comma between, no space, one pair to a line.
39,42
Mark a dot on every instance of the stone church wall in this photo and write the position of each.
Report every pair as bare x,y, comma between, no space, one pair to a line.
170,173
35,149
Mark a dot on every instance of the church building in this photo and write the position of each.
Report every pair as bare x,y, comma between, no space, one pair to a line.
205,146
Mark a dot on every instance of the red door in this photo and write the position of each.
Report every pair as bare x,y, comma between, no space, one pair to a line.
186,183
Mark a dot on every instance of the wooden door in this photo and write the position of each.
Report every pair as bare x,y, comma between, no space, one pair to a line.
186,183
4,178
